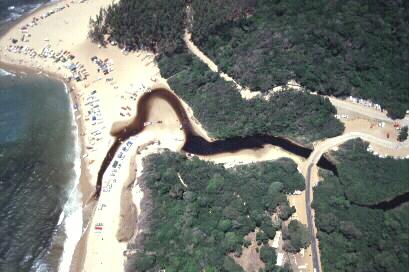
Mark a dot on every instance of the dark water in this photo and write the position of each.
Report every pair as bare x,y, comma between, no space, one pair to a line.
196,144
199,146
36,167
389,204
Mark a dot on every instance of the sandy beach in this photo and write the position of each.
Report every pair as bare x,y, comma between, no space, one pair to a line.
53,40
59,31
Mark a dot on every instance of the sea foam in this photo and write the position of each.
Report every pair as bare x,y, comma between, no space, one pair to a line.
18,11
71,215
6,73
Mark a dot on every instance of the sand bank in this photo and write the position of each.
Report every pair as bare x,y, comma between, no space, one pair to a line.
100,102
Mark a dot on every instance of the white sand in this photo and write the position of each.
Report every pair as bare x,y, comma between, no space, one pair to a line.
67,30
267,153
245,92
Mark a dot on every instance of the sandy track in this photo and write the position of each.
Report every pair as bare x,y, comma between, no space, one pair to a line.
246,93
309,168
310,172
67,30
365,111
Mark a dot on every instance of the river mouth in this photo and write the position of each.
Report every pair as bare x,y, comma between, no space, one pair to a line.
194,143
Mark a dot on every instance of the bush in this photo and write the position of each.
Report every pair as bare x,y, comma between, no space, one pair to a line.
336,47
156,25
268,255
193,228
230,266
298,236
353,236
403,134
290,114
145,262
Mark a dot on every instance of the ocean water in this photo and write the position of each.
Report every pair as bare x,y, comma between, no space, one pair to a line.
39,165
11,10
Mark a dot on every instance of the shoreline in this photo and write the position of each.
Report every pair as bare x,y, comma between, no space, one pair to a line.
17,63
114,95
73,94
9,25
82,182
131,72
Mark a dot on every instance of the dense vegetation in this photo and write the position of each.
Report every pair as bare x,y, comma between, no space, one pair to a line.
156,25
403,134
208,15
335,47
140,24
296,236
223,112
357,238
268,256
193,228
382,179
339,47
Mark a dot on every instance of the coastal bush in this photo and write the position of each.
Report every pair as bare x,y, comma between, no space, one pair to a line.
336,47
97,27
403,134
220,108
381,180
194,228
156,25
268,255
230,265
354,237
296,236
208,15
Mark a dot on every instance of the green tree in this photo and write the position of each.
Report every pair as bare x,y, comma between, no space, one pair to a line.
224,225
145,262
230,266
298,236
268,255
403,134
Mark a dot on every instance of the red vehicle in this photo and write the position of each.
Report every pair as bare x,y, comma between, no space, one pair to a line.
98,226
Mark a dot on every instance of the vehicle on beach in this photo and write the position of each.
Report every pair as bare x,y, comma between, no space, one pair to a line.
115,164
121,155
98,227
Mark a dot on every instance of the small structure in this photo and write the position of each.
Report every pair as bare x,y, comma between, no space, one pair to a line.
280,259
276,239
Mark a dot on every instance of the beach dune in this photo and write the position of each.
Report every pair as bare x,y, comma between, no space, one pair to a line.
57,44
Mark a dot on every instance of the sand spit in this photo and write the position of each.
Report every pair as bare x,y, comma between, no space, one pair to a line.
128,213
53,40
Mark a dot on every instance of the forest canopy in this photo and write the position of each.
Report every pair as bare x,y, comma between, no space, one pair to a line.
358,238
156,25
336,48
382,179
224,113
194,227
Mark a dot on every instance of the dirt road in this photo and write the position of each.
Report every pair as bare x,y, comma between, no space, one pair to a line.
310,166
322,147
365,111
